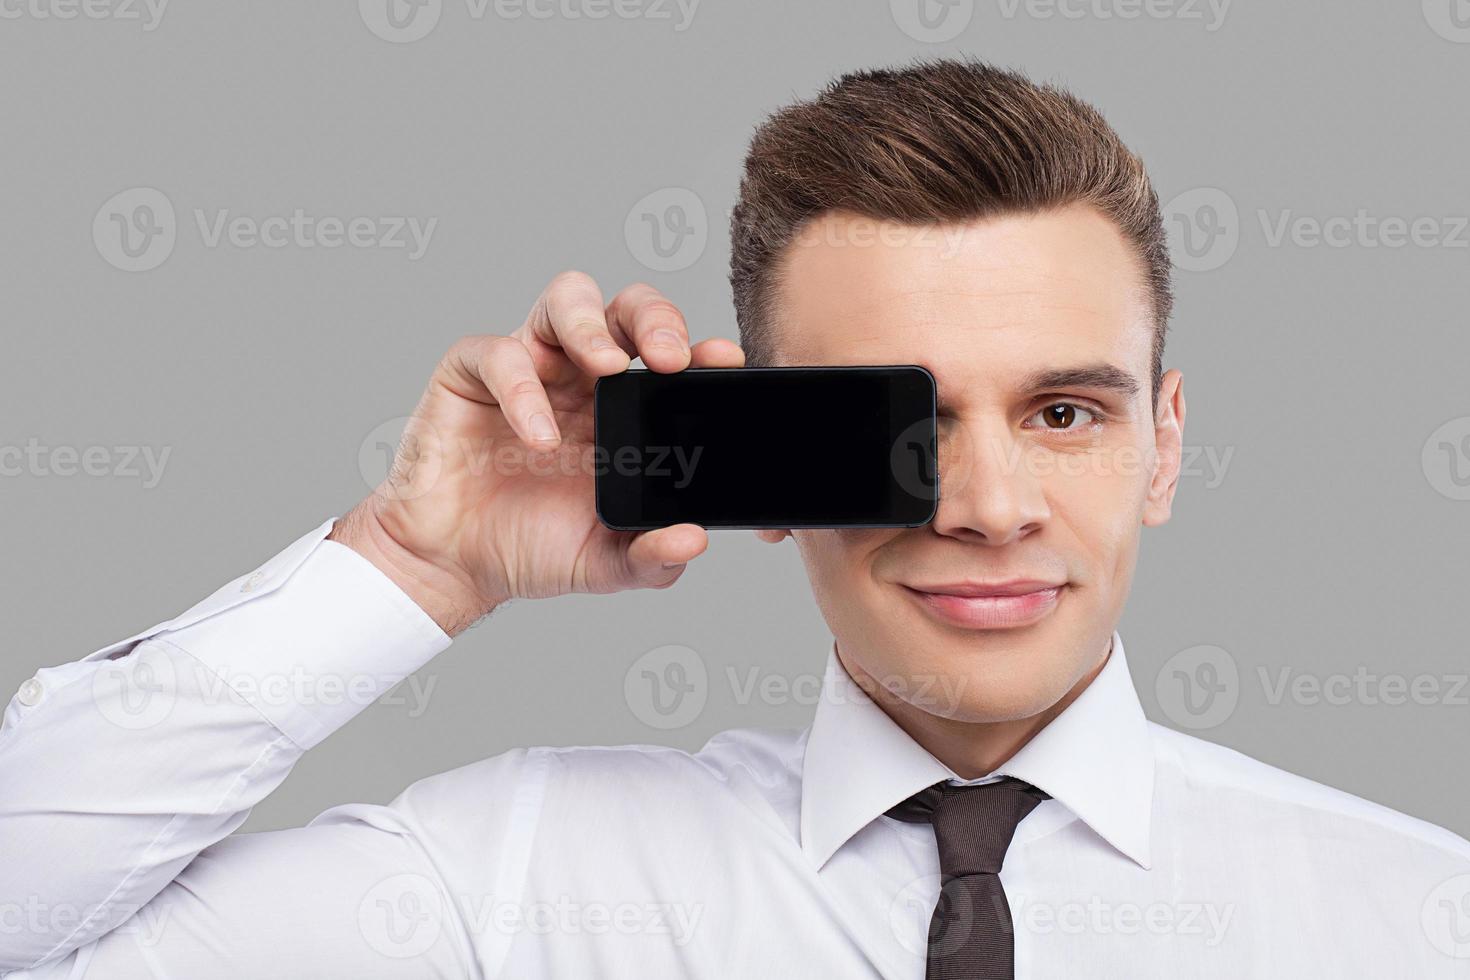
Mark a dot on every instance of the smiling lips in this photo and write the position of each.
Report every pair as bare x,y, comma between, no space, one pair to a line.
988,605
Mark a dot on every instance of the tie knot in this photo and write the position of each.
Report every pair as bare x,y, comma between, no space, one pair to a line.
972,824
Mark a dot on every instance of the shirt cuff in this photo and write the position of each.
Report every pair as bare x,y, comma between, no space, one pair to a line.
313,652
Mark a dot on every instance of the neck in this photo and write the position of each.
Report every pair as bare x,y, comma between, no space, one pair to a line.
971,748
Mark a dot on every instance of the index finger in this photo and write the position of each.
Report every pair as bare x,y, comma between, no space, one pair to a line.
569,315
654,324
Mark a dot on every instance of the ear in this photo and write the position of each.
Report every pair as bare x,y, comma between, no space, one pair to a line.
1168,449
772,535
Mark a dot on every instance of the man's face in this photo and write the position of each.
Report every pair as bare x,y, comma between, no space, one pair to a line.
1052,458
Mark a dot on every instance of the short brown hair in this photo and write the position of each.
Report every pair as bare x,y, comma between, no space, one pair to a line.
938,142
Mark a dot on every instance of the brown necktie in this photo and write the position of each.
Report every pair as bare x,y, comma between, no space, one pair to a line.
970,933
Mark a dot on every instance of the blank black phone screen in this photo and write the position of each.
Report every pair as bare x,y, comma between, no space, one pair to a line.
766,447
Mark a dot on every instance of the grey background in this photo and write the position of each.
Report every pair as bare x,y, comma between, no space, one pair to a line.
1332,545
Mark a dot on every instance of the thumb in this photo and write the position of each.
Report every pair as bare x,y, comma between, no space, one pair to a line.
656,559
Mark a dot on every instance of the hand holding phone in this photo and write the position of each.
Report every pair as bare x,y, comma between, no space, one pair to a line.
489,498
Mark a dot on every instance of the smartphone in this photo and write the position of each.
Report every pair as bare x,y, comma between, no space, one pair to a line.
787,447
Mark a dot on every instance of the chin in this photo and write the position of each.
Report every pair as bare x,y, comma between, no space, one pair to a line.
992,694
979,676
1002,706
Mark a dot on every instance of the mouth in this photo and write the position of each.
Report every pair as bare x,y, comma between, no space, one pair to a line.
988,605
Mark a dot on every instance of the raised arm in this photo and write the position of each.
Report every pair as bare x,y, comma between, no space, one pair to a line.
118,770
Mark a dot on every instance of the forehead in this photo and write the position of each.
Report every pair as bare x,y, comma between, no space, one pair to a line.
999,298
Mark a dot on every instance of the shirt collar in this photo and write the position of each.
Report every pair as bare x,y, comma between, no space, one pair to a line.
1095,758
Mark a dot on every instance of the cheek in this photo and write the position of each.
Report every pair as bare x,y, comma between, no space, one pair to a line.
839,562
1101,509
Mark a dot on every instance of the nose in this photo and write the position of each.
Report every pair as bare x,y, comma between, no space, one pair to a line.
988,494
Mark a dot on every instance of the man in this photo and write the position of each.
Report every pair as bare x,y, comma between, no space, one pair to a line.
979,793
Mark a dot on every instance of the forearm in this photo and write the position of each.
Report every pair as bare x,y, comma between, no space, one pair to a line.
125,765
107,798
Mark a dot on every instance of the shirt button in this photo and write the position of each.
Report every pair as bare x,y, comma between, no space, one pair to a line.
30,693
253,582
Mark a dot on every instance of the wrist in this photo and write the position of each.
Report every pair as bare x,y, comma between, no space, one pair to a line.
447,598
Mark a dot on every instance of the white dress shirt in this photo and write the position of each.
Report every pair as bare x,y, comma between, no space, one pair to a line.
765,854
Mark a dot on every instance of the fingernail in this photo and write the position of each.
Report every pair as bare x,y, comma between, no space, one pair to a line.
542,428
668,338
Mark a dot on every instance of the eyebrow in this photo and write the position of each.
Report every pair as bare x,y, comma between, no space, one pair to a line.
1103,376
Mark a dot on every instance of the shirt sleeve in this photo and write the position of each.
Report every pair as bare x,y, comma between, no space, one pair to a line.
408,890
121,768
